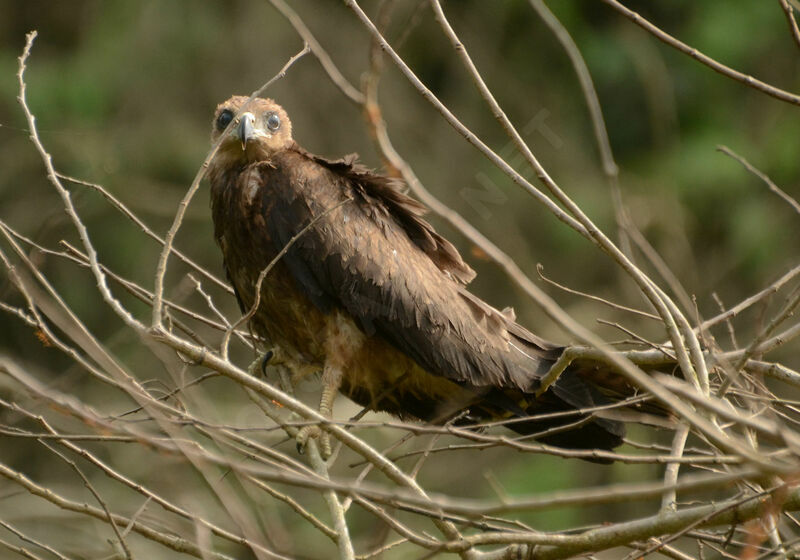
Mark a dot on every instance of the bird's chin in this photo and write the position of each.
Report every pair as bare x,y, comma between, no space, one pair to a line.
248,153
258,151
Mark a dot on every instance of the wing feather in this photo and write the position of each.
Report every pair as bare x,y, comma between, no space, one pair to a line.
376,258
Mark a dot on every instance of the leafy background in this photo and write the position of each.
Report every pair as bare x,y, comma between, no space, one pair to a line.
124,92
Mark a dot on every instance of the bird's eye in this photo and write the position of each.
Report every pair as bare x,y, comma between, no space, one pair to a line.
273,121
224,119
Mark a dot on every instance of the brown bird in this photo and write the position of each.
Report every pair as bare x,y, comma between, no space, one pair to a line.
372,296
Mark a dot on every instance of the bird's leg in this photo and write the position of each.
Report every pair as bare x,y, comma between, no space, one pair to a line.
331,381
342,339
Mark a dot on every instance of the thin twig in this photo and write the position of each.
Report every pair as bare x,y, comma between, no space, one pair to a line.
669,499
117,204
320,467
772,186
752,300
32,541
320,53
789,11
758,341
102,285
728,322
122,542
637,312
21,550
610,168
66,441
718,67
171,541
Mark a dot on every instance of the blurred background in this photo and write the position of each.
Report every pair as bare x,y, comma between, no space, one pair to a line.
124,92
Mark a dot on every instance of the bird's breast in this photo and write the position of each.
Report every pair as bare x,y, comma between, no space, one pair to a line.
285,316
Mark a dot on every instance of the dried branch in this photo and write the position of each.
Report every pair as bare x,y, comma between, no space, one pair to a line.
171,541
789,11
772,186
718,67
102,285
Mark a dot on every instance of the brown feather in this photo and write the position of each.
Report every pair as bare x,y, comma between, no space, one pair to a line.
371,286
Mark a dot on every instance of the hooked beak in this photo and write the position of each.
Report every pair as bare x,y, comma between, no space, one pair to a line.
246,130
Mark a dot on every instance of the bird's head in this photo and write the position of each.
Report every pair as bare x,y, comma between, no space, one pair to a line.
259,129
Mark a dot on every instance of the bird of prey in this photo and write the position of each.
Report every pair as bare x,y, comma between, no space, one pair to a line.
370,295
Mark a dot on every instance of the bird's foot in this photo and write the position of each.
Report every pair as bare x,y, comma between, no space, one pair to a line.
259,366
314,432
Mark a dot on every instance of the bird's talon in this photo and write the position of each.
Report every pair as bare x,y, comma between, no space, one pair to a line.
265,361
324,439
259,366
303,435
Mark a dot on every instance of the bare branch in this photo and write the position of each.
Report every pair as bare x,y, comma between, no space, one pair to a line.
102,286
789,11
324,58
718,67
772,186
173,542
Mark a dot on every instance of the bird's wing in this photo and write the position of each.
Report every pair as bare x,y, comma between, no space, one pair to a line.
376,258
384,192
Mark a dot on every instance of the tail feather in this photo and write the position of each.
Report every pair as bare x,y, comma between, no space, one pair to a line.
553,415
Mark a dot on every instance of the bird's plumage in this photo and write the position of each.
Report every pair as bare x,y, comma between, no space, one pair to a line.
371,292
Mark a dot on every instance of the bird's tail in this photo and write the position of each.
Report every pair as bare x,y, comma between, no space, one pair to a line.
571,414
586,408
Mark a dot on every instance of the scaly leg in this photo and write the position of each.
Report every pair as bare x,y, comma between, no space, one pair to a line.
331,381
